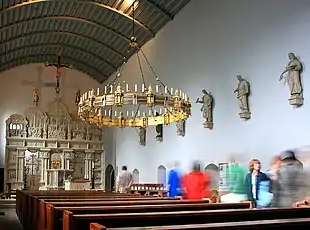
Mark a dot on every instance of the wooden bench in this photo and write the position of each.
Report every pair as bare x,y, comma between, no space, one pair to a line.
28,203
299,223
40,218
82,222
55,214
33,204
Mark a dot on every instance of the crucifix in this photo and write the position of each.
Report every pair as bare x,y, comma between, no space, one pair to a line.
59,67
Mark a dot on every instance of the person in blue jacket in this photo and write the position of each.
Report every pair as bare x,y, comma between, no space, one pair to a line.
174,181
253,181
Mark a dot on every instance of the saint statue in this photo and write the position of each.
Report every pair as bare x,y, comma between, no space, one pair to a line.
243,92
207,108
77,97
142,136
36,97
292,78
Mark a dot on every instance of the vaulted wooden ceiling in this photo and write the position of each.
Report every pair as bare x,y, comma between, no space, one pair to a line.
91,35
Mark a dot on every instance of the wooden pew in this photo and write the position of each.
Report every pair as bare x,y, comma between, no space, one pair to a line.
82,222
40,219
299,223
33,203
47,207
54,214
28,202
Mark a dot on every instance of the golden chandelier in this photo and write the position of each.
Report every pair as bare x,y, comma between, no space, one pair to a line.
139,105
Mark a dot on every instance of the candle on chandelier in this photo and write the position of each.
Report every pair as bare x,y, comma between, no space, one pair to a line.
109,113
127,88
156,88
160,111
105,90
150,112
111,89
98,91
180,93
89,93
99,114
132,113
105,112
171,91
166,89
142,88
136,88
138,113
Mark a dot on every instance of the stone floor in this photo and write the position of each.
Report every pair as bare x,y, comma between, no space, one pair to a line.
9,221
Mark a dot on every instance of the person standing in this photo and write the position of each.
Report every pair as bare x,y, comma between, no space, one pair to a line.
124,181
253,181
196,184
174,181
290,179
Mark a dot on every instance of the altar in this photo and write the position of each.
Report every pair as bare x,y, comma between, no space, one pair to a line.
77,185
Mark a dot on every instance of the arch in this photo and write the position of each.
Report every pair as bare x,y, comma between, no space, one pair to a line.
96,4
41,58
64,45
136,176
213,169
62,32
109,178
161,175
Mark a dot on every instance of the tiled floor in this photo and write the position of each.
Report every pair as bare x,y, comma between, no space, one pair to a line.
9,221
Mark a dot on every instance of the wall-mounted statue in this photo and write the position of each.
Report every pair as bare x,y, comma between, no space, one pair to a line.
242,92
181,128
292,78
207,108
142,136
159,131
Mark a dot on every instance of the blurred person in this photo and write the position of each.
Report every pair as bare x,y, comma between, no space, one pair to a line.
237,192
273,173
174,181
290,179
124,181
253,183
196,184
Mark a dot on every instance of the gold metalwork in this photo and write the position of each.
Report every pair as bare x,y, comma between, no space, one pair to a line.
109,108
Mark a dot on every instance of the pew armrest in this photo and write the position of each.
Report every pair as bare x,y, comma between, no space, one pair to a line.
95,226
67,220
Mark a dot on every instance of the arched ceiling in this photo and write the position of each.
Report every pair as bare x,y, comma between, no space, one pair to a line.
91,35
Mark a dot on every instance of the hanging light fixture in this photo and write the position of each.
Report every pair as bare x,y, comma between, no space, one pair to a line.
141,105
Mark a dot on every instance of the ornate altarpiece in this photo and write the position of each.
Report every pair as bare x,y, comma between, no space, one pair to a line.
34,138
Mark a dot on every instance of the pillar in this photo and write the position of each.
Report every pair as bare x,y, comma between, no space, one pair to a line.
68,155
20,164
89,157
45,161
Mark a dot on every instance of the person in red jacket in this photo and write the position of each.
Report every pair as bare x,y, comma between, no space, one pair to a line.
196,184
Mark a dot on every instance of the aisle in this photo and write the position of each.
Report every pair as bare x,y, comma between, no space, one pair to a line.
9,221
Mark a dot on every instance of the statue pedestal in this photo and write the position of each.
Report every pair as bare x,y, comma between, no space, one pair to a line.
296,100
78,185
208,125
245,115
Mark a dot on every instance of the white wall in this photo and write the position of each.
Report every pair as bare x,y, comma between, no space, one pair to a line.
16,97
206,46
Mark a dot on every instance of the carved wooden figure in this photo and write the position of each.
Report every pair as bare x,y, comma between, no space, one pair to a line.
207,108
293,79
242,92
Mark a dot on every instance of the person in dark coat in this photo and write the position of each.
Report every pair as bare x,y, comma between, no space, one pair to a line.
290,179
253,180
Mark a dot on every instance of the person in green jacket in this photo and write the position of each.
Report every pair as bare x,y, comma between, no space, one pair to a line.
236,192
